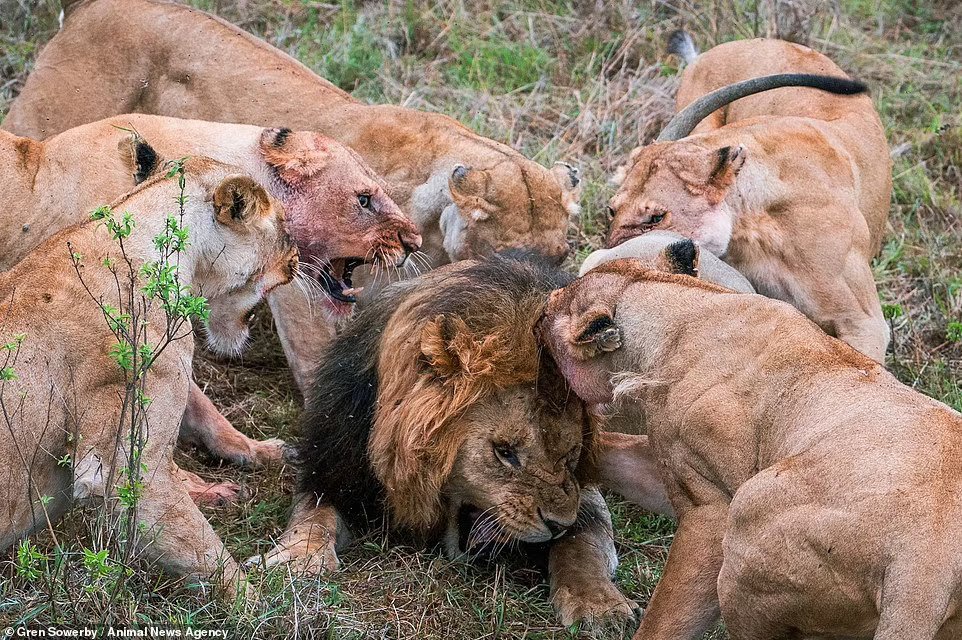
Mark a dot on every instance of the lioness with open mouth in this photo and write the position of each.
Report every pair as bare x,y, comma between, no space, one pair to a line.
470,196
816,495
790,186
337,212
64,392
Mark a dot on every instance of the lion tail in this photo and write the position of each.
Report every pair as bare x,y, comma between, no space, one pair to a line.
66,6
681,44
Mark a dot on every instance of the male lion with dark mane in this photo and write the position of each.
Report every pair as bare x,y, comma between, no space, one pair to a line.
438,413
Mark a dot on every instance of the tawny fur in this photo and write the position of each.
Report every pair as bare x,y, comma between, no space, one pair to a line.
56,183
405,422
504,201
816,495
67,399
790,186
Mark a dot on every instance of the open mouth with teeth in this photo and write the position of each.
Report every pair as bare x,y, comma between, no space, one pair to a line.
336,279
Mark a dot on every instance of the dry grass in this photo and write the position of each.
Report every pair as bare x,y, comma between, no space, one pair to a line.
576,80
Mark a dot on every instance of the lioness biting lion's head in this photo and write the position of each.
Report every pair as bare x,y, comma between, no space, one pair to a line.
438,406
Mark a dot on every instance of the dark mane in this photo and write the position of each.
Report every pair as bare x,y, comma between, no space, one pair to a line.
340,413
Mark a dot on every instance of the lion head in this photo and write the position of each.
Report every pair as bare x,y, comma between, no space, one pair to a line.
338,210
437,406
677,186
249,235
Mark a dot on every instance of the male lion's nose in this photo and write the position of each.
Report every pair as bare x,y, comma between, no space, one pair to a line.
555,527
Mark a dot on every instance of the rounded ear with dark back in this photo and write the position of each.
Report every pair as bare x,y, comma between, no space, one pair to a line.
295,155
239,200
595,332
682,256
468,182
728,162
141,159
568,176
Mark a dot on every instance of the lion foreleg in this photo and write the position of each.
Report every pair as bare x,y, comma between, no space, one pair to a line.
685,602
311,539
204,426
581,565
180,539
304,328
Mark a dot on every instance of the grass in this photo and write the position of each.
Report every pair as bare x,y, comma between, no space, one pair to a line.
583,82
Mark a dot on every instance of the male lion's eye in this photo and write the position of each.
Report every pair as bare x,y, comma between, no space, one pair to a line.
364,199
655,219
505,453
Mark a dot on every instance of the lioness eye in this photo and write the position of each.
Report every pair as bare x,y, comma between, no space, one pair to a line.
364,199
655,219
611,212
505,453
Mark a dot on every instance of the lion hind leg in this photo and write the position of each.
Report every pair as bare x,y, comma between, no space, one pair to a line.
309,544
211,494
204,426
180,539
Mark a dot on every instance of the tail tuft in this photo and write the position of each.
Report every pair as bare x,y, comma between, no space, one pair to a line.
681,44
66,6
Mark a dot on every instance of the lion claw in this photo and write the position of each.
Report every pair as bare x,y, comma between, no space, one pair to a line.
299,563
600,606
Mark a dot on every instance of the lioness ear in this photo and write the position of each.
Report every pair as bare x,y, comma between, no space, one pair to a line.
239,200
595,332
568,176
295,155
728,162
681,256
141,159
468,182
618,177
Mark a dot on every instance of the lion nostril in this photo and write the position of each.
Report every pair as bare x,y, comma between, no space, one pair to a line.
411,243
555,527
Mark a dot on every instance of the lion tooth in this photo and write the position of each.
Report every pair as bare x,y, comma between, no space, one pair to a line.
353,291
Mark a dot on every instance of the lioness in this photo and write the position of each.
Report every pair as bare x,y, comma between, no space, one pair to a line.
437,412
791,186
624,461
469,195
63,391
337,212
816,495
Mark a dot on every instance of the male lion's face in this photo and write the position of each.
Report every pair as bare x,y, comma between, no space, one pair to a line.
677,186
337,211
514,476
514,204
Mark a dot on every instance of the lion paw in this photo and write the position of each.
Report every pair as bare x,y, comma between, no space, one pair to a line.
598,605
300,560
266,452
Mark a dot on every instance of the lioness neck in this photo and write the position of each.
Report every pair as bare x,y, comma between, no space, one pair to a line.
736,358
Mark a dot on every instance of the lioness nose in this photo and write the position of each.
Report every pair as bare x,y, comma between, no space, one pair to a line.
410,241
